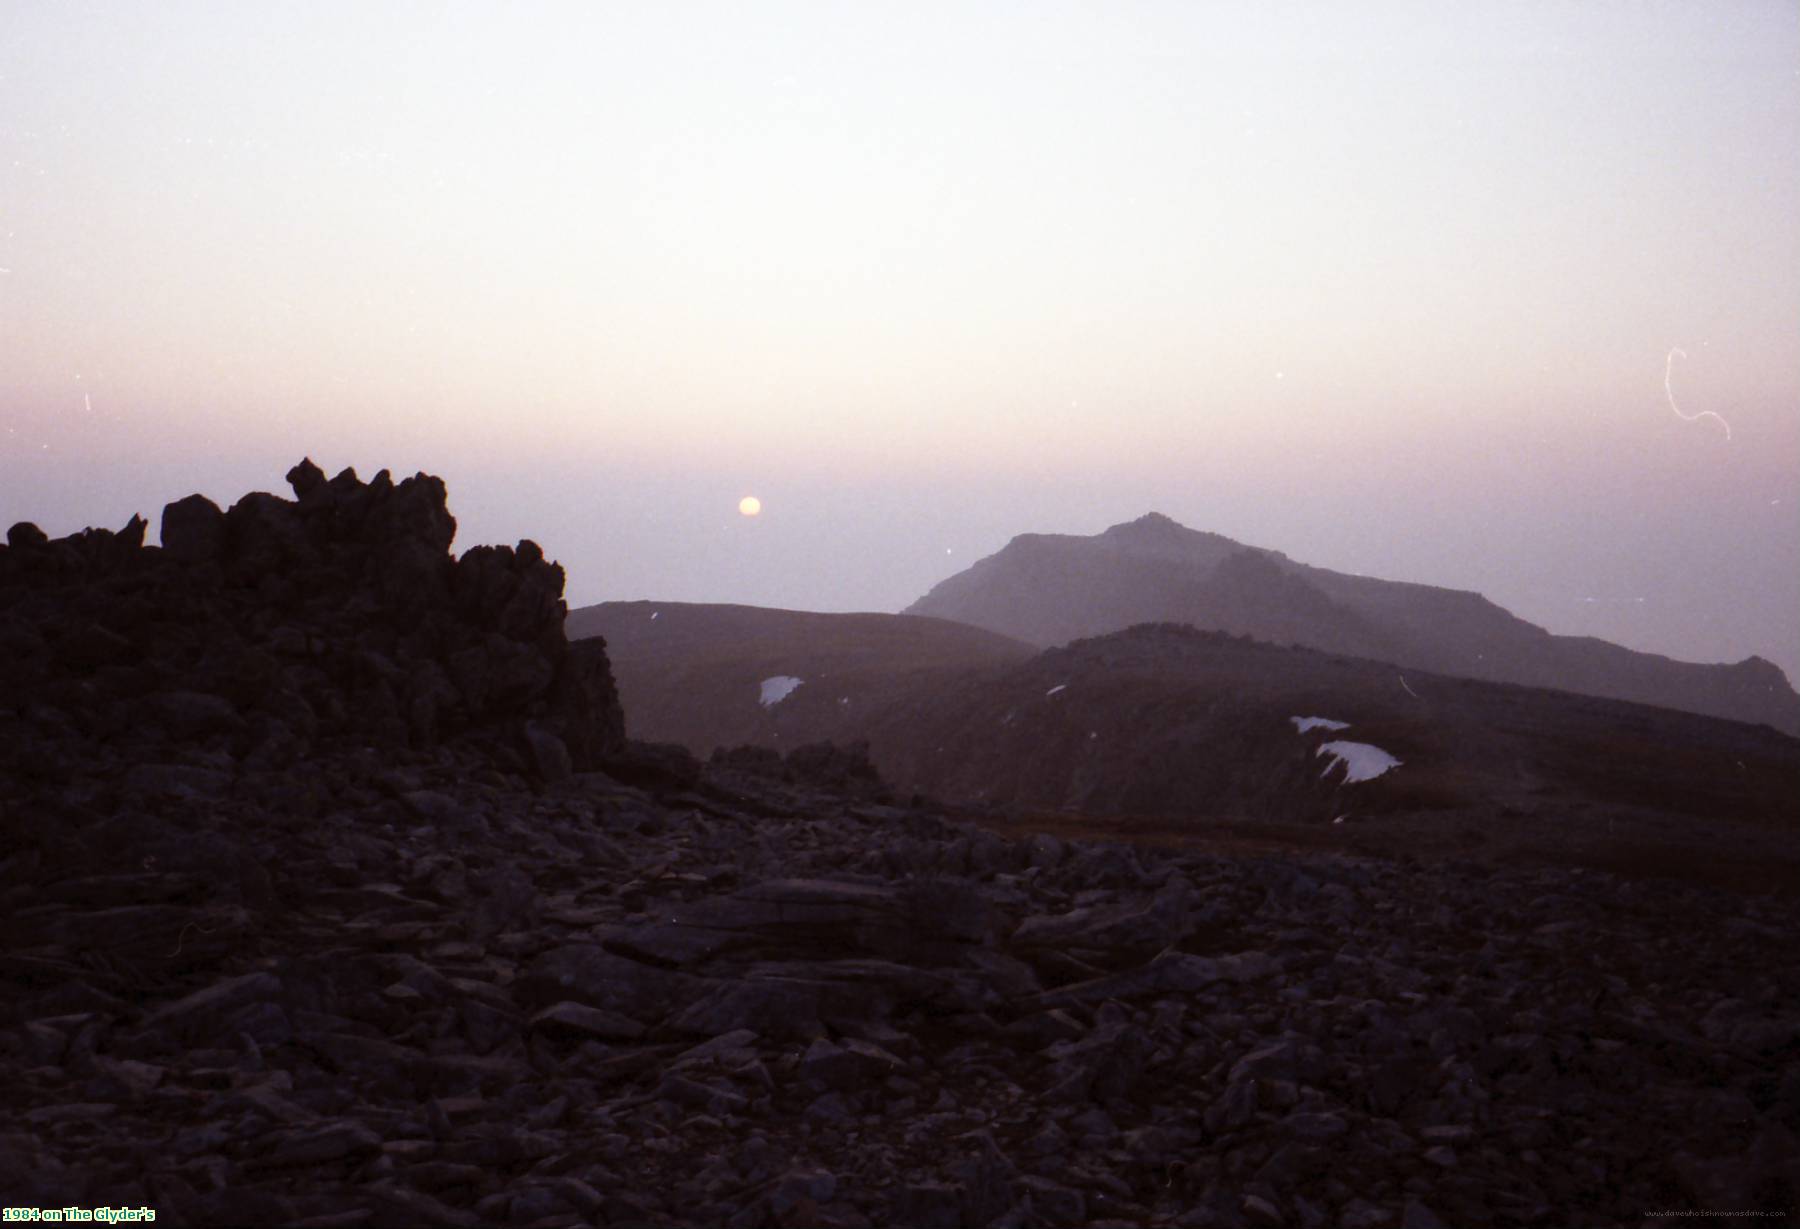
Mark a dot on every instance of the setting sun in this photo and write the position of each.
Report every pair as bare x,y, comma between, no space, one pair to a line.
750,505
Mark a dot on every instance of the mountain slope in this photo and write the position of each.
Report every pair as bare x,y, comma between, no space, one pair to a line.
694,673
1050,589
1181,734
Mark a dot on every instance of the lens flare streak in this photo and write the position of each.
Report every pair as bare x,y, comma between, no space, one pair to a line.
1668,387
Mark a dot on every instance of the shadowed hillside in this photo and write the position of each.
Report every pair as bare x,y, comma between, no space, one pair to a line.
694,673
1050,589
1163,729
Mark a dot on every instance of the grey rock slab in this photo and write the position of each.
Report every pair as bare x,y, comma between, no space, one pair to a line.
1261,1211
928,1205
1137,923
175,782
1361,1214
778,1007
190,714
677,936
1106,1064
394,1204
578,1022
1060,1206
1169,973
1046,1028
735,1046
353,1051
924,922
847,1066
333,1141
1235,1108
264,1099
1416,1215
207,1009
1314,1127
590,974
809,1183
696,1094
1280,1061
796,999
485,1026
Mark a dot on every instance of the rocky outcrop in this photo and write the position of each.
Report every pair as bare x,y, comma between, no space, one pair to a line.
280,627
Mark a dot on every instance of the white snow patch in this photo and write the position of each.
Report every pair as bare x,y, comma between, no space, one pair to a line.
778,688
1303,724
1055,689
1362,761
654,613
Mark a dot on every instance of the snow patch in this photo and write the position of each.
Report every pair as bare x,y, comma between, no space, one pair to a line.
1303,724
1055,689
778,688
654,613
1362,761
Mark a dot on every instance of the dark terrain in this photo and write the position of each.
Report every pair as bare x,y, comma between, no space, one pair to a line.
694,671
1171,734
1048,589
335,895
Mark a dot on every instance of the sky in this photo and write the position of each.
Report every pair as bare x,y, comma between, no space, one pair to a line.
1501,297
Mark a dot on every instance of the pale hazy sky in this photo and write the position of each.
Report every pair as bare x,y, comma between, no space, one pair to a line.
1389,287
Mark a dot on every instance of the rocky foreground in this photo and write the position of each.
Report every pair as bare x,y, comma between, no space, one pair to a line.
496,967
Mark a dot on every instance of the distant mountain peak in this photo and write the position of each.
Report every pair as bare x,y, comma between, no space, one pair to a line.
1149,523
1157,534
1049,589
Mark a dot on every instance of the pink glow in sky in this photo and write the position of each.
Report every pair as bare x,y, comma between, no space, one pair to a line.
1389,287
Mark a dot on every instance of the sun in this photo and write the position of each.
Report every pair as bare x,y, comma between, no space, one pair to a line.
750,505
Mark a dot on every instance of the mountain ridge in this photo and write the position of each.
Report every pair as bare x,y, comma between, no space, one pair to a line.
1050,589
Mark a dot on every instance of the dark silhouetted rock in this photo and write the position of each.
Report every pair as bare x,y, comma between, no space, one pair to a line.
341,617
25,536
305,478
193,529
